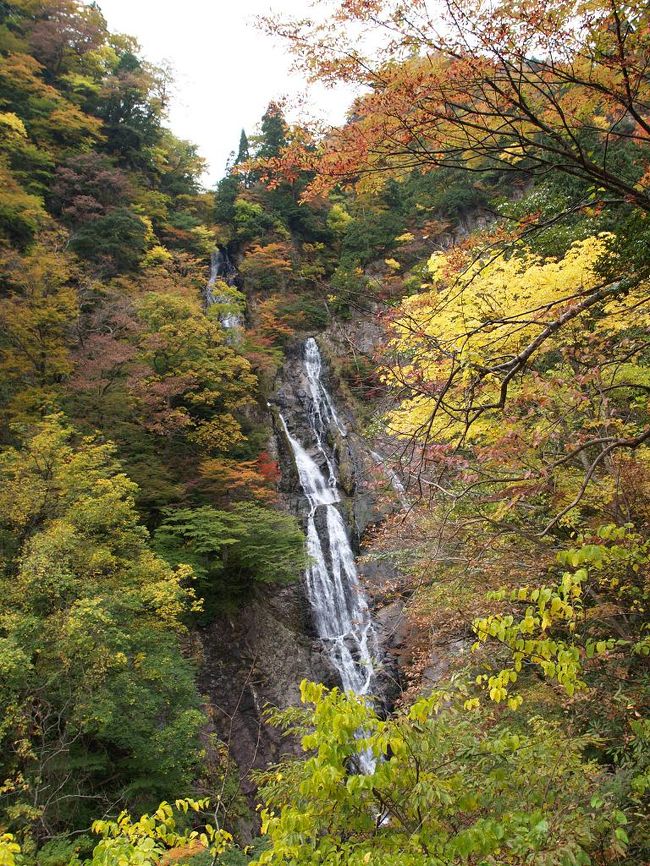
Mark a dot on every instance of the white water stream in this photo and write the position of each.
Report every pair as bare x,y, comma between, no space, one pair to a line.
393,477
340,610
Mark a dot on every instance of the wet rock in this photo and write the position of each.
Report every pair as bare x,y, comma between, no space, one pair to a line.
347,470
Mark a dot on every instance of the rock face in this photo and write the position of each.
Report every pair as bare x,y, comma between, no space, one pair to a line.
254,658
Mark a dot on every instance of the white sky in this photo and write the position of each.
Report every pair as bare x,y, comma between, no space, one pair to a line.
226,70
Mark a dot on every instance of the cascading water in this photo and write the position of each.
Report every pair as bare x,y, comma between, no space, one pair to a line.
322,405
393,478
340,611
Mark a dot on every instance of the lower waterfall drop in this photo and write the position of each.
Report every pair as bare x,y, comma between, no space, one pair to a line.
340,610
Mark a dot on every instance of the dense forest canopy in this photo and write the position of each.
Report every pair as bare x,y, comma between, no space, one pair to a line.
478,232
129,439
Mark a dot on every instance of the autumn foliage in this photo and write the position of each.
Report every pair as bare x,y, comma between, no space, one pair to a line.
474,241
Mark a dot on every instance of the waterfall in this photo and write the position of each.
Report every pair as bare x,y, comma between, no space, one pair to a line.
339,608
222,269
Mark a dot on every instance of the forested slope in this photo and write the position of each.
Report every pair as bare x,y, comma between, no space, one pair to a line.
130,436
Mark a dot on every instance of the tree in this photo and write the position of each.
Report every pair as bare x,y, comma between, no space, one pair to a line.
228,479
230,551
273,132
444,789
51,121
557,631
190,379
130,105
142,842
243,150
181,166
250,220
559,86
267,267
21,214
230,186
86,187
99,705
116,241
226,194
504,336
38,315
64,31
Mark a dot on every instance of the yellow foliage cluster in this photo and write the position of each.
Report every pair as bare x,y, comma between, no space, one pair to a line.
470,323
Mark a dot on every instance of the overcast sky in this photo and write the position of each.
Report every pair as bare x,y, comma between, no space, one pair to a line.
226,70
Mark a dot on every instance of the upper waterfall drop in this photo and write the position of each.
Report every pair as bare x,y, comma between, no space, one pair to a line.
340,611
222,268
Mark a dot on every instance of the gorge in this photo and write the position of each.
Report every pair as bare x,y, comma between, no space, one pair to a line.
320,628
